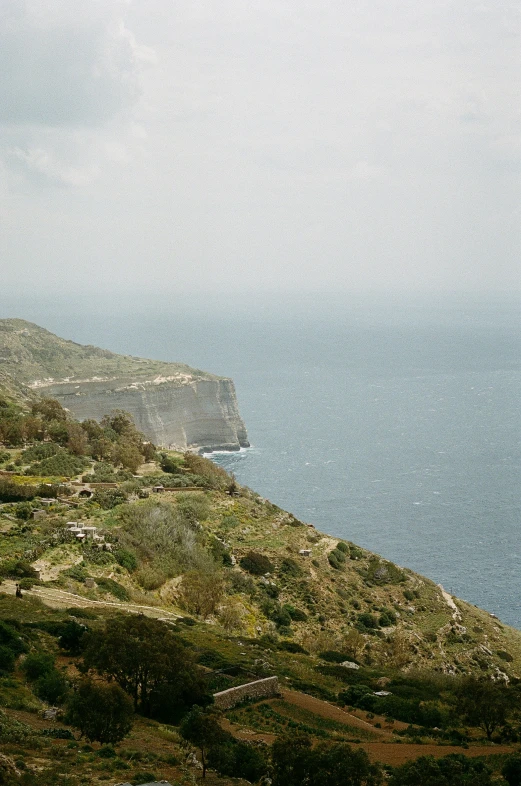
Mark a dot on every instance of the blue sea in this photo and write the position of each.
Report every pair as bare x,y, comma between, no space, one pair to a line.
397,427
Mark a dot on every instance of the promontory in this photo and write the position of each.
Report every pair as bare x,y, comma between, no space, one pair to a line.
174,405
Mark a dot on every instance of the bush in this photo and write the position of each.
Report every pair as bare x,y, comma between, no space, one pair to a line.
10,638
291,568
42,450
109,498
237,760
342,547
256,564
16,492
337,558
296,614
37,665
118,590
52,687
127,559
367,621
291,646
7,659
17,569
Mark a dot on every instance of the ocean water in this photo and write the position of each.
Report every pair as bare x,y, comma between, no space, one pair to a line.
398,429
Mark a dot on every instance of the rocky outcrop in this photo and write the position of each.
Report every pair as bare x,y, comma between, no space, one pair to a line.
173,413
173,404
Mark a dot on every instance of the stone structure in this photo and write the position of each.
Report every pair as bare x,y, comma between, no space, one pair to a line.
260,689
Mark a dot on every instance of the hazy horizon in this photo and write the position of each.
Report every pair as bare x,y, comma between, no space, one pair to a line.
234,152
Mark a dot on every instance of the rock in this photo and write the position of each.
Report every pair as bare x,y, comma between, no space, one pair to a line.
8,769
174,412
348,664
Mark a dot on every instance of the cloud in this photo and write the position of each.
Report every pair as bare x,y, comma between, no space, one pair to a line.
70,73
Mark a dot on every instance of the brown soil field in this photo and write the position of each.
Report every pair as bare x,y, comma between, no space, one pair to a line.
396,753
331,711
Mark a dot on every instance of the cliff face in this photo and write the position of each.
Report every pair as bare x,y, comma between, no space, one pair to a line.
172,404
199,413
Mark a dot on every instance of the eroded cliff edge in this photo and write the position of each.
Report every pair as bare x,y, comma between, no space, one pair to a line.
173,404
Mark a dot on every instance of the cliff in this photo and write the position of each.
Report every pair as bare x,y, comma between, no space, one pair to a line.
173,404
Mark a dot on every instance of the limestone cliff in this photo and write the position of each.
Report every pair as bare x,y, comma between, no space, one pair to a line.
174,405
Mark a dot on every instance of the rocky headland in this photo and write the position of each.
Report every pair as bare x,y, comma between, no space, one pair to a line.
174,405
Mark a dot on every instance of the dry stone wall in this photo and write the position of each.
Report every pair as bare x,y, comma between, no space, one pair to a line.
260,689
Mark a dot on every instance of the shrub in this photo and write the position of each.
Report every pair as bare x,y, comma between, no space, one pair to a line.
336,559
52,687
387,618
42,450
291,568
109,498
16,492
342,547
17,569
296,614
291,646
127,559
76,572
7,659
504,655
10,638
256,564
109,585
368,621
37,665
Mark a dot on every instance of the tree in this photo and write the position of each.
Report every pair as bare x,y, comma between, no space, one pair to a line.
149,662
484,703
103,713
201,592
202,729
291,759
49,409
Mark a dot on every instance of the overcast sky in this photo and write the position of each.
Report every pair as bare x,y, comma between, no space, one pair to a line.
166,147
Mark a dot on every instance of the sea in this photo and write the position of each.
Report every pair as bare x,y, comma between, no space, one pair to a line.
393,425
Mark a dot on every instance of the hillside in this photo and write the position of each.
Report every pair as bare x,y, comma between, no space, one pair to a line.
367,653
173,404
36,357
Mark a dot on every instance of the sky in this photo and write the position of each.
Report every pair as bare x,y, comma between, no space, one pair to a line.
169,151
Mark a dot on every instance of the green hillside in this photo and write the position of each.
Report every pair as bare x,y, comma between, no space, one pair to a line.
153,580
29,353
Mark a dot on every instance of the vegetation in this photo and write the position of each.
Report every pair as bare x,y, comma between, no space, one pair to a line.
224,567
103,713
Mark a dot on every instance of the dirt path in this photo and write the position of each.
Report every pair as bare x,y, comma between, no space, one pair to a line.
60,599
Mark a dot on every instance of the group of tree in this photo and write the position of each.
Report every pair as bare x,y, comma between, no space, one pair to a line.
295,761
115,438
150,663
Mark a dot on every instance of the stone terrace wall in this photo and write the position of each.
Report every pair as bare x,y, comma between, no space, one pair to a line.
260,689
